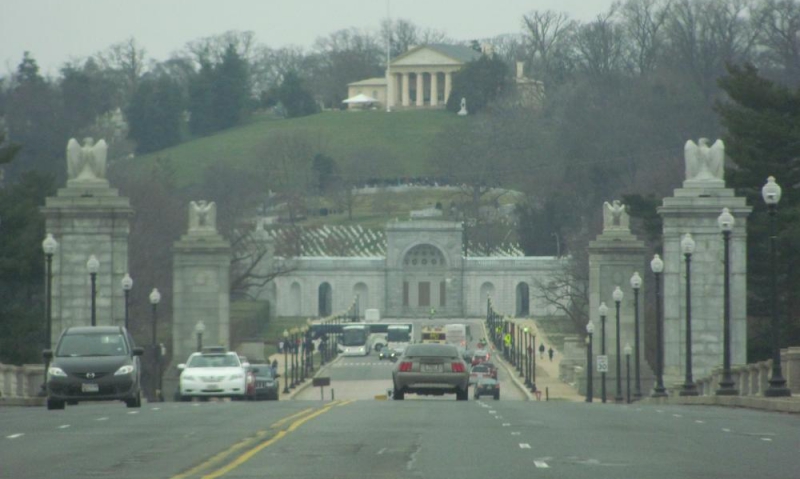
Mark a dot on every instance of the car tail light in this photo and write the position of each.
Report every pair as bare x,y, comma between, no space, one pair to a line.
405,366
458,367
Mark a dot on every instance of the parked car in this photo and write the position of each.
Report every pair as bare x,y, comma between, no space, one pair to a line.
431,369
487,386
262,382
212,374
93,363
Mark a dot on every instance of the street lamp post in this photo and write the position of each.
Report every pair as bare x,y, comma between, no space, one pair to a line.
93,266
285,362
687,246
302,337
617,297
49,245
127,285
725,222
603,310
657,265
526,345
628,370
293,334
199,329
589,369
636,284
310,341
155,298
771,192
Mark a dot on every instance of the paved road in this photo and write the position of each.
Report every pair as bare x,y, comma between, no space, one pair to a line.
393,439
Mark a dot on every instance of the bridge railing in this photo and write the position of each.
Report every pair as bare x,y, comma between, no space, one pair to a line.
19,382
753,379
516,342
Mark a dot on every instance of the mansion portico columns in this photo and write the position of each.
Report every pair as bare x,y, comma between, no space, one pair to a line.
419,88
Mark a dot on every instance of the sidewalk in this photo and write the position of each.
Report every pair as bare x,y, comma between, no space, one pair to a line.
300,386
546,371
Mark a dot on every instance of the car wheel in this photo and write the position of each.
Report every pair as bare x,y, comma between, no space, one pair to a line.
72,403
476,396
135,401
496,396
185,398
378,347
462,395
53,404
398,395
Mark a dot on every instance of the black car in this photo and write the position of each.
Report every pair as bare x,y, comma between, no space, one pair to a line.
487,386
388,353
93,363
265,382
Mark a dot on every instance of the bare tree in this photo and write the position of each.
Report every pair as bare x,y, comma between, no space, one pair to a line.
549,36
644,22
778,24
567,291
126,59
600,46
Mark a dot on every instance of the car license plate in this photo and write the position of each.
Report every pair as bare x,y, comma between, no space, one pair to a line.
90,387
431,368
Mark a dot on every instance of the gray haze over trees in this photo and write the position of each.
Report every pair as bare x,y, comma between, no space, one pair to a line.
623,92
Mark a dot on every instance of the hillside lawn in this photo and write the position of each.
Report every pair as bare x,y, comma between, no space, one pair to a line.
398,142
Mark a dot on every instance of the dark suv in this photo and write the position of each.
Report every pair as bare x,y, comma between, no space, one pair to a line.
93,363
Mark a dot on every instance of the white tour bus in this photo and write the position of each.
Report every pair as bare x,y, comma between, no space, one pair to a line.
457,335
356,340
399,336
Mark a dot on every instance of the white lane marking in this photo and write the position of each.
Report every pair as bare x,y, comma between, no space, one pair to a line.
766,438
659,411
133,412
14,436
102,418
698,421
196,404
492,412
676,415
524,445
381,451
155,409
541,464
498,417
516,433
506,424
63,426
725,429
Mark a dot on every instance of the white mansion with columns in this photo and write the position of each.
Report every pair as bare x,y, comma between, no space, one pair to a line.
424,267
420,77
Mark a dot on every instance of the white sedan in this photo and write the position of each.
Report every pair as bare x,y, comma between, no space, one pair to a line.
212,375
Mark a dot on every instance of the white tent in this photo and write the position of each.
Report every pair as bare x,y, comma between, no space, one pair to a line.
360,99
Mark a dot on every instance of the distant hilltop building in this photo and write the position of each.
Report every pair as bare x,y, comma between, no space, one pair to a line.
422,77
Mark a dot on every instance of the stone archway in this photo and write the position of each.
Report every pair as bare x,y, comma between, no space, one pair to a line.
361,290
325,300
424,273
523,300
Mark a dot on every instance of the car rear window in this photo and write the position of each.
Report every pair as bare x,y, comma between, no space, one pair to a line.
436,350
480,369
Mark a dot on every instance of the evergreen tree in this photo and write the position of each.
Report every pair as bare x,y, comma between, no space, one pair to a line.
201,108
762,120
155,114
480,81
231,89
295,98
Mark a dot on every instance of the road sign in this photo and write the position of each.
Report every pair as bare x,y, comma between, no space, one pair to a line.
321,381
602,364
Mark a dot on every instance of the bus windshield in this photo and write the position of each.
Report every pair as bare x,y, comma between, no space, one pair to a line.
354,337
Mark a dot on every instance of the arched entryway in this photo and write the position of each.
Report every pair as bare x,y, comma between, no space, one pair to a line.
361,291
324,300
523,300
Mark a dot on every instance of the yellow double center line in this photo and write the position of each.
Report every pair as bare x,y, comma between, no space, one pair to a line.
299,419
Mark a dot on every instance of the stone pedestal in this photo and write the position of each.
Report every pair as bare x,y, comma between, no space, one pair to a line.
694,209
613,258
88,218
201,292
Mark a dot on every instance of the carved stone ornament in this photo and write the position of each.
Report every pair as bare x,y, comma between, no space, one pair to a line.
86,163
704,163
202,216
615,217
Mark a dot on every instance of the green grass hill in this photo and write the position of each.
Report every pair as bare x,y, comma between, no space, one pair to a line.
395,144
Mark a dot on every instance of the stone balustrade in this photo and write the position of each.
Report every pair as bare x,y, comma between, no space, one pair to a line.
753,379
20,381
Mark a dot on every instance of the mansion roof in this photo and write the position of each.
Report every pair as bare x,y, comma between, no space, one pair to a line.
458,53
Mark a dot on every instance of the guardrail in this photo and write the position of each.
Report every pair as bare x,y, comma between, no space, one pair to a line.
20,382
753,379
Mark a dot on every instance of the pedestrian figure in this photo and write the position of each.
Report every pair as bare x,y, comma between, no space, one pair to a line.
274,367
550,353
280,346
541,351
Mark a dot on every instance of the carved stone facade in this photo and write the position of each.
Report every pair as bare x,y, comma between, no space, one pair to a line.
424,268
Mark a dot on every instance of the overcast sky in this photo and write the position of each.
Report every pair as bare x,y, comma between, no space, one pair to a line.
55,31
